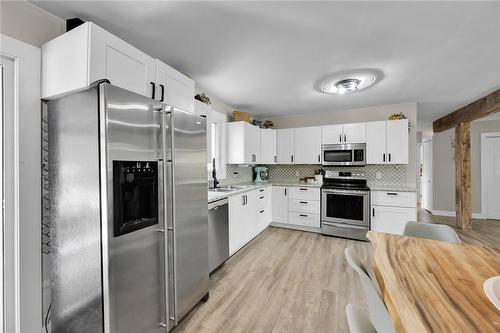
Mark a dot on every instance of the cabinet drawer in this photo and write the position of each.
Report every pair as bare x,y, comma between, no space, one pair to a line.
305,193
261,200
304,206
307,220
394,199
263,218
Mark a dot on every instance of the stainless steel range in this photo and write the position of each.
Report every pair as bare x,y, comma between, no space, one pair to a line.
345,204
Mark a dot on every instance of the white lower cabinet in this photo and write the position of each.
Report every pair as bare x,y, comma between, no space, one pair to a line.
304,207
391,210
249,215
280,204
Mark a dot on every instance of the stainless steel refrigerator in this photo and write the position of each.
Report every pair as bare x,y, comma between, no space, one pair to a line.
128,209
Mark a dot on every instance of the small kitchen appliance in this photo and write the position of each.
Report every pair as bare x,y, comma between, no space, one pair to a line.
261,174
345,204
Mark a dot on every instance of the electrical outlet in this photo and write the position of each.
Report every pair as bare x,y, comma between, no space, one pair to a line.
297,173
378,175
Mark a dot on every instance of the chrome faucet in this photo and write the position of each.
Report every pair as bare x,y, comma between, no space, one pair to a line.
214,174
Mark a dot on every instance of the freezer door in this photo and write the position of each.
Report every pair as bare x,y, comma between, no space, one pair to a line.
190,213
133,212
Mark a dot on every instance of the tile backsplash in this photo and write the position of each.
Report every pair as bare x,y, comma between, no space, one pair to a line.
375,174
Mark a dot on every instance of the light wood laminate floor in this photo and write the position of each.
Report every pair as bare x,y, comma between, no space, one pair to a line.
283,281
293,281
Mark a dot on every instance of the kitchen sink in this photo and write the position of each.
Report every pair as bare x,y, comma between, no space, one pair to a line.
229,188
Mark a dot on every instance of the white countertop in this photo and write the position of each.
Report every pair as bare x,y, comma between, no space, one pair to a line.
394,188
214,196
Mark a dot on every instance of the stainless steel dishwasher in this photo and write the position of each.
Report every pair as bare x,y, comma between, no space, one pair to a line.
218,233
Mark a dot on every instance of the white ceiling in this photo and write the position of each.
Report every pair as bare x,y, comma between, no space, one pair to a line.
266,57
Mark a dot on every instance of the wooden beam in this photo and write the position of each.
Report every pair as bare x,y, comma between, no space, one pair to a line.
483,107
463,177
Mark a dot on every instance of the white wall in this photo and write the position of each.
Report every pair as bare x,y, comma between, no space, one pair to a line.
444,166
362,115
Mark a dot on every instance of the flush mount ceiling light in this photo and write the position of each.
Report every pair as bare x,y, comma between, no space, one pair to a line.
347,83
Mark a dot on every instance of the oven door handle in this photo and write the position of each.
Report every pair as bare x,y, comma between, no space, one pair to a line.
354,192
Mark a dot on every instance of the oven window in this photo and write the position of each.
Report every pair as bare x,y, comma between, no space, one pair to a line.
359,155
337,156
135,195
343,206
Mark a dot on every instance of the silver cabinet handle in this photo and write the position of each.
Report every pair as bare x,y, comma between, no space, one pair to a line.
285,191
262,211
262,197
319,158
243,200
383,157
274,158
303,202
261,190
389,157
302,189
373,212
291,158
391,193
340,137
345,137
160,230
302,215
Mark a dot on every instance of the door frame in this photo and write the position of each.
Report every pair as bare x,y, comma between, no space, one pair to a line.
484,137
25,229
431,173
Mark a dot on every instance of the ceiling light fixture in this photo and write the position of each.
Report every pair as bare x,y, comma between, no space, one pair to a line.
347,83
347,86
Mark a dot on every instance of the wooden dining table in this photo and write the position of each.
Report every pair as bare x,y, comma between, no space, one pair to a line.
433,286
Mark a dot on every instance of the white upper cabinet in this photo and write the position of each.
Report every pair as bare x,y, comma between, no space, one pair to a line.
267,146
397,141
331,134
354,133
387,142
88,53
173,87
285,146
376,142
307,145
346,133
243,143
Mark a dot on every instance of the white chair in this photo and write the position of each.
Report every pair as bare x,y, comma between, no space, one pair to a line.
357,320
439,232
379,316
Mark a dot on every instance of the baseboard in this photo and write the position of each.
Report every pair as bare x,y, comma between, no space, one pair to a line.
295,227
453,214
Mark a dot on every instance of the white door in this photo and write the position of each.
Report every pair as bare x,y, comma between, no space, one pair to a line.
308,145
249,215
490,153
267,146
427,175
173,87
397,141
391,220
236,222
354,133
285,146
279,204
252,142
122,64
331,134
376,142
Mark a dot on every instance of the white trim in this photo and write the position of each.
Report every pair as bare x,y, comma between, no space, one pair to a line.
27,192
453,214
484,136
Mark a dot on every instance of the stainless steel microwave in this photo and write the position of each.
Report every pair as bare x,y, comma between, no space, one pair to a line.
344,154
